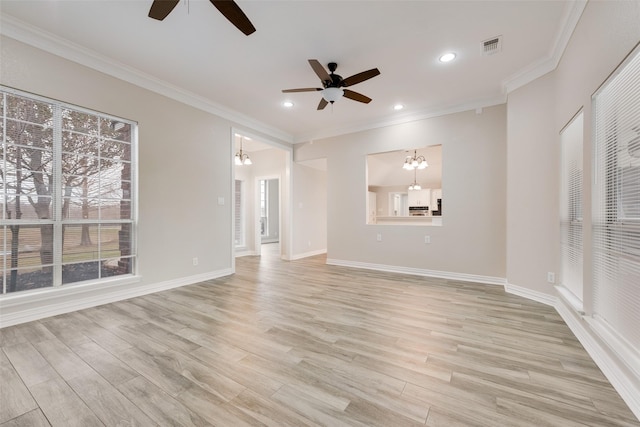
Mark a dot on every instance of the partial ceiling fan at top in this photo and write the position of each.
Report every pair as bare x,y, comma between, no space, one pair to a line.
333,84
161,8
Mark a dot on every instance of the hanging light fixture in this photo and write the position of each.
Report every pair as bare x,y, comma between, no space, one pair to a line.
242,158
415,185
415,162
332,94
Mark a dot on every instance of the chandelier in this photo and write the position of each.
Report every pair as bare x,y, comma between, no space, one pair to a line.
415,162
415,185
242,158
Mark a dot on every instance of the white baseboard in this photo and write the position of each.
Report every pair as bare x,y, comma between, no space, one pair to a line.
33,305
530,294
247,252
489,280
614,361
307,254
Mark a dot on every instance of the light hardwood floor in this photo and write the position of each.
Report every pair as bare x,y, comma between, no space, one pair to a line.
303,344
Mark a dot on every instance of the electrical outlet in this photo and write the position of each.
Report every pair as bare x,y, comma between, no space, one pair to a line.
195,261
379,237
551,277
427,239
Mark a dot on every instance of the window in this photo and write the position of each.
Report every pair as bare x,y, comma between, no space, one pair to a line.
264,211
66,189
571,139
239,220
616,208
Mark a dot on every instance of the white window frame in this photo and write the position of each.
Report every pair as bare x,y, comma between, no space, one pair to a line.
616,192
57,220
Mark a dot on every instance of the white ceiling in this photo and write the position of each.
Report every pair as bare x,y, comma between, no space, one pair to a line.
197,56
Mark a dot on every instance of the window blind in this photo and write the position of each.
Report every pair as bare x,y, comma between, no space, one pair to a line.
616,203
66,193
571,140
239,219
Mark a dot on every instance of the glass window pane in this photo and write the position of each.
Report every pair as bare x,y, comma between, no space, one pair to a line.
80,208
28,254
115,240
114,209
110,149
80,243
79,121
114,129
28,134
73,142
25,279
116,266
79,272
78,164
28,182
29,110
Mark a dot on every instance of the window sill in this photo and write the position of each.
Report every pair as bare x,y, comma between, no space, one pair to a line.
435,221
36,304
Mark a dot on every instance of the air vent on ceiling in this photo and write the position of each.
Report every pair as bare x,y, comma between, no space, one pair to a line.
492,45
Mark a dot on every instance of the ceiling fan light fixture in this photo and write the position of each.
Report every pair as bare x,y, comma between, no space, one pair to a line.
287,104
332,94
398,107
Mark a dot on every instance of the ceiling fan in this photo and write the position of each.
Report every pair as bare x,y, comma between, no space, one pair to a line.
161,8
333,84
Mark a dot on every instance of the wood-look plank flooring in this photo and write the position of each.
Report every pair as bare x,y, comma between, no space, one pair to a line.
305,344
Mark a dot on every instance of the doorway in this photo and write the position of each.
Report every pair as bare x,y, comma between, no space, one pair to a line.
269,210
262,197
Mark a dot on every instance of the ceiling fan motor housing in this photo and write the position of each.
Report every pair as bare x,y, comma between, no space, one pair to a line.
336,80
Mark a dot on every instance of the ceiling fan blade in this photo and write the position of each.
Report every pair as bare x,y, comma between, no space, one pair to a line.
356,96
323,103
304,89
319,69
360,77
235,15
161,8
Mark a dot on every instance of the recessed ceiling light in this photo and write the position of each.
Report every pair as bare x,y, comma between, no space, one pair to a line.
447,57
398,107
287,104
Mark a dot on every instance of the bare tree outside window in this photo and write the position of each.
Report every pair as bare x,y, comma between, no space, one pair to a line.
63,169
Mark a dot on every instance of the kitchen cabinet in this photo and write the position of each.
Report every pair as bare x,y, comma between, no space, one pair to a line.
420,198
436,194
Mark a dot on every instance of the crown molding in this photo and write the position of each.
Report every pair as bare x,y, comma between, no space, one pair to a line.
545,65
401,119
38,38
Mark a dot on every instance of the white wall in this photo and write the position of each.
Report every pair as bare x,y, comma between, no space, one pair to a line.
472,239
533,159
309,211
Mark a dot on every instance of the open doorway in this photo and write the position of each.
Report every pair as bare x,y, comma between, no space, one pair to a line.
261,208
269,210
